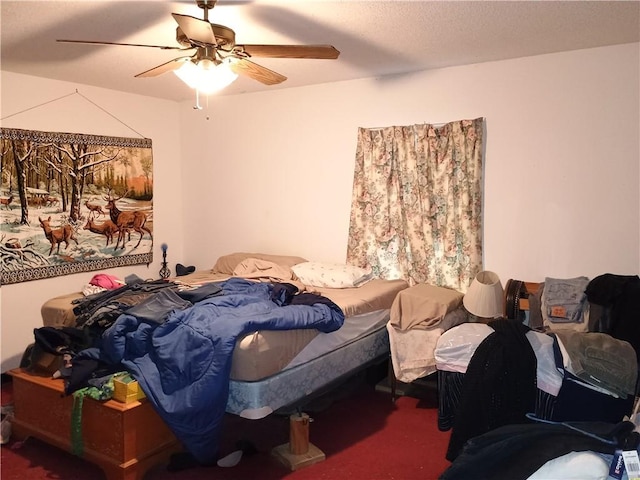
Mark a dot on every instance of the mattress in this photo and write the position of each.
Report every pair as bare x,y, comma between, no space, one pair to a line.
255,400
354,328
374,295
263,353
260,354
58,311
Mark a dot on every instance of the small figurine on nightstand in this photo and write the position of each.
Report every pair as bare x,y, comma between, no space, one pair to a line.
164,271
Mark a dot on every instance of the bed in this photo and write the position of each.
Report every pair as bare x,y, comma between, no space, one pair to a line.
272,369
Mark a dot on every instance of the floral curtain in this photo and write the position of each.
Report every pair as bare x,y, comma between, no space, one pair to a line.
416,209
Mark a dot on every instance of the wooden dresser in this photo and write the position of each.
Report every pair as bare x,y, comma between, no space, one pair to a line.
123,439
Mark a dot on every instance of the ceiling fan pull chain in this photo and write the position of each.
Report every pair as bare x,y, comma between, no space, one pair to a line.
197,106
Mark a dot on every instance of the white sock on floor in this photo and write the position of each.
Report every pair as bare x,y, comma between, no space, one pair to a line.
230,460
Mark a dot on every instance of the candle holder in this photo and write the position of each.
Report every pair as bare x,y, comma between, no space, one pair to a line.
164,271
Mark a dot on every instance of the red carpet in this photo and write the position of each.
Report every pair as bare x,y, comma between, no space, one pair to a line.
363,435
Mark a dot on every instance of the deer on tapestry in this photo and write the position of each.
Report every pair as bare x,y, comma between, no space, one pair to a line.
7,201
127,221
106,228
51,201
58,235
93,209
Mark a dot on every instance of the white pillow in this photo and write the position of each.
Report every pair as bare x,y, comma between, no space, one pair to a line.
331,275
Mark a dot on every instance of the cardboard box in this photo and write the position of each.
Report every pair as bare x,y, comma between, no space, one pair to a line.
126,389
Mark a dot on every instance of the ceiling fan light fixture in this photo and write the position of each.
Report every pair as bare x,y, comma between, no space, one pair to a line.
218,59
206,76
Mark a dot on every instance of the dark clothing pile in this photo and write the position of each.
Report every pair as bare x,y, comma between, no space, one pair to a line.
499,386
619,297
515,452
99,311
493,438
148,300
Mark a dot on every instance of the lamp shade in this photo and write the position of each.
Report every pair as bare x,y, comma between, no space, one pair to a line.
485,296
206,76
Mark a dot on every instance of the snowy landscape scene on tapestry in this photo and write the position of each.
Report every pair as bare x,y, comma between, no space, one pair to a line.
73,203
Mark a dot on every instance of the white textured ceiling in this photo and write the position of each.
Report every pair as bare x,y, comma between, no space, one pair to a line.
375,38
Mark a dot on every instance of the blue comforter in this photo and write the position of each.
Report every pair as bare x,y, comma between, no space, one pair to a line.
183,364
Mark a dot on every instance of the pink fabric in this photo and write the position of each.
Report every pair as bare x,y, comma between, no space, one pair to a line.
107,281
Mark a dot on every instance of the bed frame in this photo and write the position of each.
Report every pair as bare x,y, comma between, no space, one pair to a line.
137,438
255,400
289,388
127,454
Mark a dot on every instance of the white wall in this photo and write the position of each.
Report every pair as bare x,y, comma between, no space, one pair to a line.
273,171
114,114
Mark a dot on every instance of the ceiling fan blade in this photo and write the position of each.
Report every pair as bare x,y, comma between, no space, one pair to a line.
290,51
91,42
242,66
197,31
165,67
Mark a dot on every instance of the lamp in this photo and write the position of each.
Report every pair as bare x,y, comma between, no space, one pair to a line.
484,299
206,76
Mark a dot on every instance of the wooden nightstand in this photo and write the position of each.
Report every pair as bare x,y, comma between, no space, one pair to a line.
123,439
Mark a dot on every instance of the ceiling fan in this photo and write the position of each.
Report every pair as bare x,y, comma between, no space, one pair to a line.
215,45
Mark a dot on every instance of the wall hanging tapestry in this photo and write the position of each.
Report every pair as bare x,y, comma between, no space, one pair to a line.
73,203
